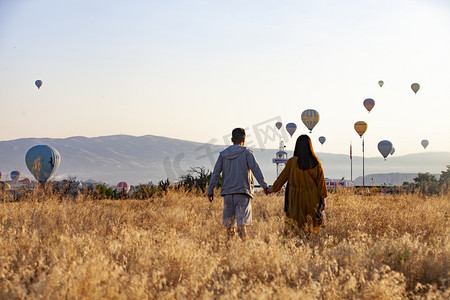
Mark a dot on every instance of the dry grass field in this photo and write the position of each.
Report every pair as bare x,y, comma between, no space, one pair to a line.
174,247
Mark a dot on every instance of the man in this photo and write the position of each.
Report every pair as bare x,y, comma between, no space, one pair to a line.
237,165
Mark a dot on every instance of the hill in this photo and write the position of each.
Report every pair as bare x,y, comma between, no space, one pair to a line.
390,179
152,158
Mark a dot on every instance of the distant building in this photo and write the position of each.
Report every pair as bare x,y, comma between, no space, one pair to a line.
335,183
281,158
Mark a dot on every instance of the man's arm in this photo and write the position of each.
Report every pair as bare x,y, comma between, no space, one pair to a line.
253,165
214,178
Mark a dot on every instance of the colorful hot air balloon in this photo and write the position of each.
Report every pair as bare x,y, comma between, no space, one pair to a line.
415,87
291,128
392,151
380,83
360,127
322,139
42,161
26,181
369,104
424,144
15,175
123,187
310,118
278,125
38,83
385,148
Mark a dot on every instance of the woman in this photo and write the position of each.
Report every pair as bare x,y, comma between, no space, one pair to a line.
306,185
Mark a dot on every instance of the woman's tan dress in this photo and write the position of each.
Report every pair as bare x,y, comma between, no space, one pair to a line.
304,194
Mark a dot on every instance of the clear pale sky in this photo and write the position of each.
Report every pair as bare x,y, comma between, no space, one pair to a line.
194,70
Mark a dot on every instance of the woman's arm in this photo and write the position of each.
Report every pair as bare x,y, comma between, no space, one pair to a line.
282,178
321,185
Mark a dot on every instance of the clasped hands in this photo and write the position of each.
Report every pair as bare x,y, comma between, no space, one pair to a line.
268,190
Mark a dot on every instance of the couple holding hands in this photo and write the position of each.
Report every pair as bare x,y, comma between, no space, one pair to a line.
305,190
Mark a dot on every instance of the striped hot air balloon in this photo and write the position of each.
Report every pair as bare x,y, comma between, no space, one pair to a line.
123,187
291,128
15,175
369,104
310,118
360,127
25,181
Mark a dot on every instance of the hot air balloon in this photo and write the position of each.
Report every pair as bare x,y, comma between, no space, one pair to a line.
385,148
15,175
25,181
278,125
322,139
310,118
415,87
42,161
392,151
38,83
369,104
360,127
424,144
291,128
380,83
123,187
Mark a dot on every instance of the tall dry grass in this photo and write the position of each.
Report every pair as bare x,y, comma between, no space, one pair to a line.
372,247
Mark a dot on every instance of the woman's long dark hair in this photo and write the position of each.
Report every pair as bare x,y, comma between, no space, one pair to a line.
306,159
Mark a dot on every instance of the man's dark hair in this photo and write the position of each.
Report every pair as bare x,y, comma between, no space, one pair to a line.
237,135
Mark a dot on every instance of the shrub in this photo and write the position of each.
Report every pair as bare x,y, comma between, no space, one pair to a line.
103,192
66,187
196,180
444,179
164,185
144,191
427,183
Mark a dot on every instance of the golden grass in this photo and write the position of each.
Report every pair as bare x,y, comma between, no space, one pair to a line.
372,247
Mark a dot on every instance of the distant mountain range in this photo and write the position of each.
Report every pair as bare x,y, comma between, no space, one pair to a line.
142,159
387,179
